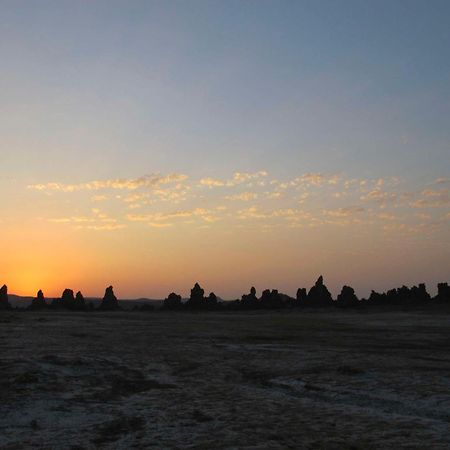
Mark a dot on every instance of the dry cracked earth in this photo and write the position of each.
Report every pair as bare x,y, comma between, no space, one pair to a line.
262,380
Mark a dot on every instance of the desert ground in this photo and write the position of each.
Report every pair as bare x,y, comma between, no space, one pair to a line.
255,380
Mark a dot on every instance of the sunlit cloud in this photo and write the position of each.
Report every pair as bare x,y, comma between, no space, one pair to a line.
159,225
379,195
98,220
400,228
133,198
205,214
103,227
432,199
386,216
274,195
254,212
442,180
317,179
243,196
238,178
212,182
308,200
345,212
74,219
149,181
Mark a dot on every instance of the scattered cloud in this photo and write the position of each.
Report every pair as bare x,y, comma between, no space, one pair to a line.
73,219
239,178
379,195
205,214
431,198
106,227
311,199
243,196
386,216
160,225
148,181
345,212
212,182
442,180
97,220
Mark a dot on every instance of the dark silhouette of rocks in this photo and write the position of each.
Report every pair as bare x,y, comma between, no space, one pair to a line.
443,295
197,298
4,301
376,298
211,301
79,304
301,297
249,301
319,295
197,293
38,302
198,301
402,296
419,294
271,299
109,302
173,302
347,298
66,301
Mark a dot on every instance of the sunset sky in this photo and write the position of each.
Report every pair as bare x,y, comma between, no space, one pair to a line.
150,145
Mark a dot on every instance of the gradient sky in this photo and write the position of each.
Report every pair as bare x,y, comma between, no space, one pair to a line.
150,145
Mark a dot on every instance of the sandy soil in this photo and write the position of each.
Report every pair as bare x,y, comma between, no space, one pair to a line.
319,380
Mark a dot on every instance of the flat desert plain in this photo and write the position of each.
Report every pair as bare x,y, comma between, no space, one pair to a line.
253,380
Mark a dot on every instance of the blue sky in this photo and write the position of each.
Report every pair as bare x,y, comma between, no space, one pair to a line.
352,86
96,90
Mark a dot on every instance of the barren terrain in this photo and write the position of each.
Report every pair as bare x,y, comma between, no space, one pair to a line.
302,379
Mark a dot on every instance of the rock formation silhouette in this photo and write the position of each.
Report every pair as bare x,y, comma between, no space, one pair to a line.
79,304
402,296
419,294
197,299
249,301
318,295
377,299
4,301
443,295
173,302
211,301
347,298
301,297
109,302
38,302
67,298
66,301
271,299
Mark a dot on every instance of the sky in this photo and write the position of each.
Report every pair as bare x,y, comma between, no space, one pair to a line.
154,144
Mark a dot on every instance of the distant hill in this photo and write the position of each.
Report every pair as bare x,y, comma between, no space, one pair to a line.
18,301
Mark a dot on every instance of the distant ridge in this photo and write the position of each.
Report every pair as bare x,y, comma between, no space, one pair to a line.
18,301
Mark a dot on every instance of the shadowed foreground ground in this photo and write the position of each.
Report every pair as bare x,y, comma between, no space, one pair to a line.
329,379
